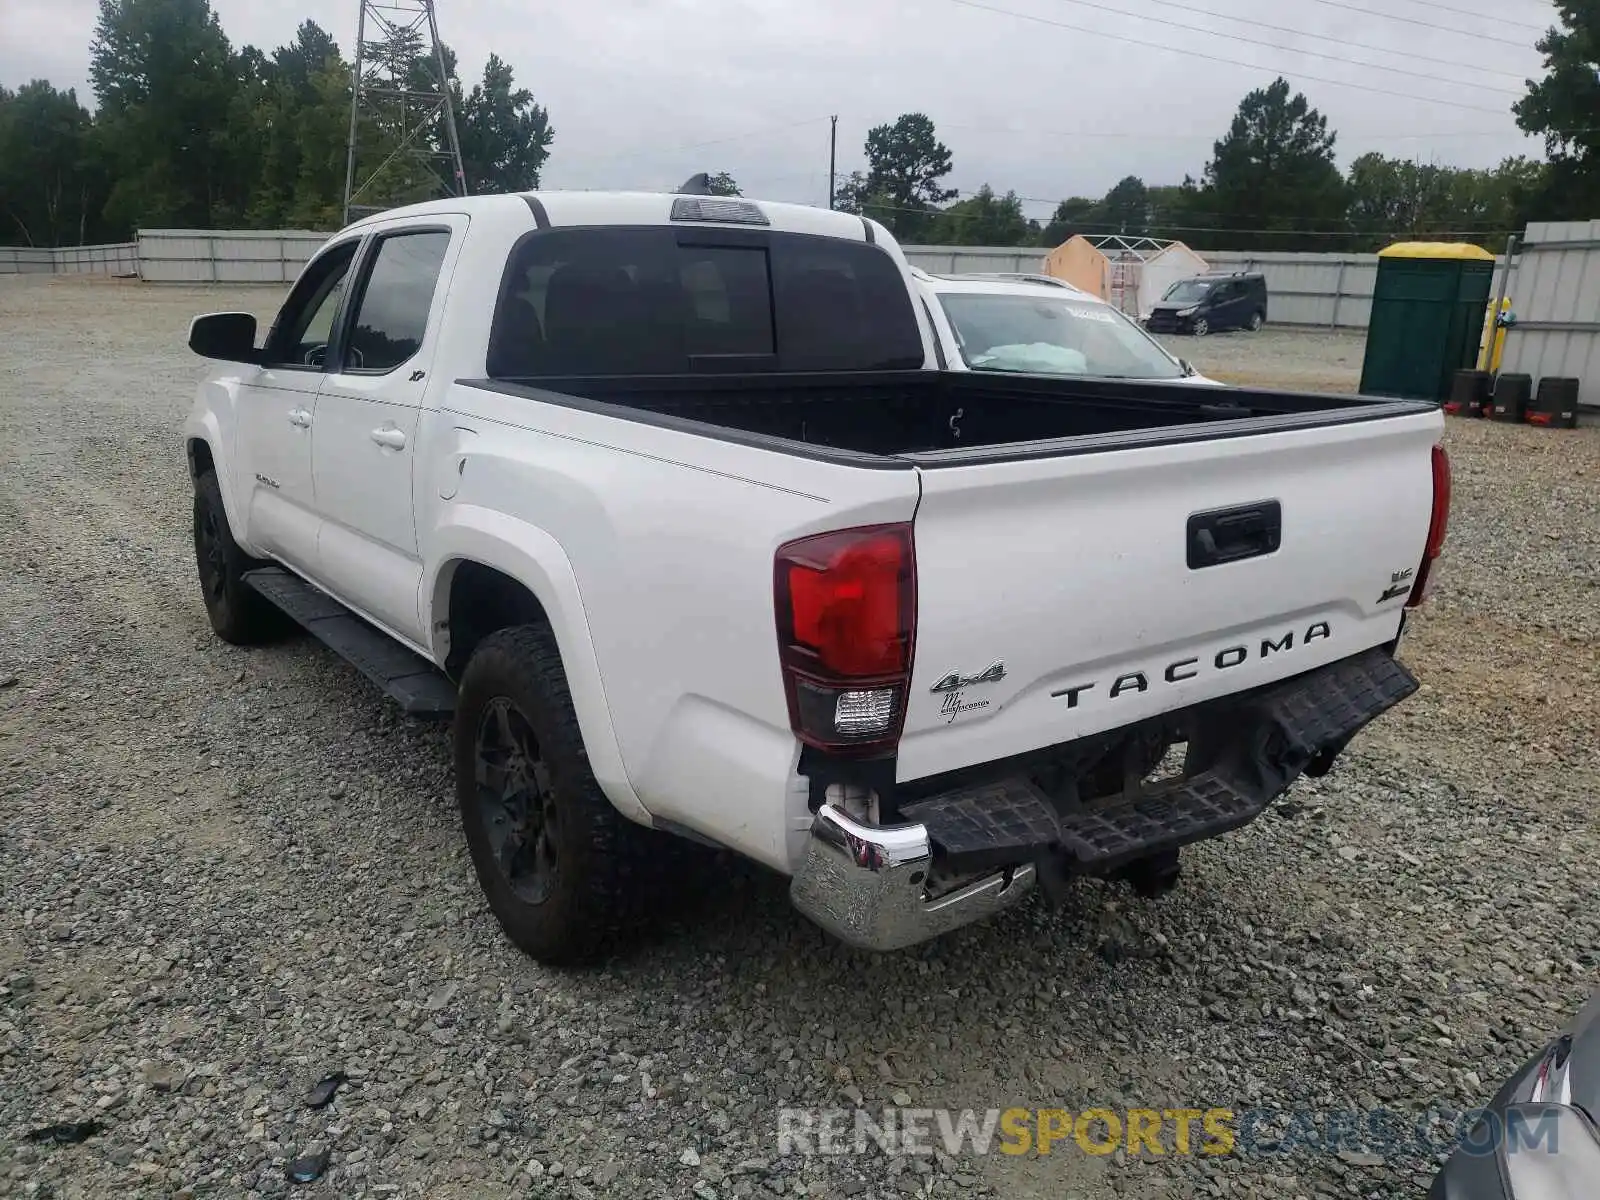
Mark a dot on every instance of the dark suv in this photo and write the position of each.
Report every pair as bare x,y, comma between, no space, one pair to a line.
1208,303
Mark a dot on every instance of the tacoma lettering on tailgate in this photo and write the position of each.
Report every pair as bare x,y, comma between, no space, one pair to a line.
1188,668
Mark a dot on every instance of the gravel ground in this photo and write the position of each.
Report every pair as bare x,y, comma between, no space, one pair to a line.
225,874
1306,360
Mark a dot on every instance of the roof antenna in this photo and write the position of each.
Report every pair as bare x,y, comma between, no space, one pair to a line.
696,185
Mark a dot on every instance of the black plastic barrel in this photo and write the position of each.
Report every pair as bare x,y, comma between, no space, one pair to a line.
1511,392
1555,403
1469,393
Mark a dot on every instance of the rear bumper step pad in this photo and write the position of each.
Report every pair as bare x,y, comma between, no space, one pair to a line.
1012,821
419,687
1327,706
1171,815
989,826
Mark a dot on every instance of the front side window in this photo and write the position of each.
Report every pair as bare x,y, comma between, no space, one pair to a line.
304,327
393,313
664,301
1045,335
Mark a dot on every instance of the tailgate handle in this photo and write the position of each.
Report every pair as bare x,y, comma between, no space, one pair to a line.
1226,535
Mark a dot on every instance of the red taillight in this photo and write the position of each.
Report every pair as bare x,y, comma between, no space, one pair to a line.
846,607
1438,523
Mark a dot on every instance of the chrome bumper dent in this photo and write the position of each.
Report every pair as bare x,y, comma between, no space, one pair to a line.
864,884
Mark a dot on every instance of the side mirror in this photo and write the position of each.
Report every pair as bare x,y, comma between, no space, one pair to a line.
229,336
1188,367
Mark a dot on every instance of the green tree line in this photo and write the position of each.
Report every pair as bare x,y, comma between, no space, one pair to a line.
1271,184
189,132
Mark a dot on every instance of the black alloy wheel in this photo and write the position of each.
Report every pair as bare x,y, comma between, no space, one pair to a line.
516,803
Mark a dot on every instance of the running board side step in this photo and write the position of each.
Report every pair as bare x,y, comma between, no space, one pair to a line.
415,684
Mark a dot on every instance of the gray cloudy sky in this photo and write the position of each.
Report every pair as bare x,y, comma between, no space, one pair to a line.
643,93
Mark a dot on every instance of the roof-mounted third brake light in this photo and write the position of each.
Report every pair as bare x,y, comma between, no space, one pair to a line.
718,209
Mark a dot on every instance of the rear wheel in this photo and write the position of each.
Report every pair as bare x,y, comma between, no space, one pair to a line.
1256,322
561,868
238,613
1201,327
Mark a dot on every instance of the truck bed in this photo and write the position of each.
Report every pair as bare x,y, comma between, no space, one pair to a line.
945,417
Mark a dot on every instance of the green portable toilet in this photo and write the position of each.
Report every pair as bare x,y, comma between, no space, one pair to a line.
1428,310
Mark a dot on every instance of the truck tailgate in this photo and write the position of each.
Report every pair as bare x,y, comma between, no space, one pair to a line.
1073,573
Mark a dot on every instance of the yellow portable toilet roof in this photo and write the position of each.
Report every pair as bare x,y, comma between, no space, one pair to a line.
1444,250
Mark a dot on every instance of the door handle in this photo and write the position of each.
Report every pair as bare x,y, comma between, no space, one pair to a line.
300,418
393,439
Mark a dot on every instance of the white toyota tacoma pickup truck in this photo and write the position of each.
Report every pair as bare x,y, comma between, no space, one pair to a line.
668,503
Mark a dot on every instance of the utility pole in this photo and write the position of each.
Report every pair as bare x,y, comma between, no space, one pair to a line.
833,154
400,98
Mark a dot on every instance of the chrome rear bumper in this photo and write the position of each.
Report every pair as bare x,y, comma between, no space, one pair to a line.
865,884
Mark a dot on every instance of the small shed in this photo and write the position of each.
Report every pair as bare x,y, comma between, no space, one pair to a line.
1428,307
1165,268
1082,264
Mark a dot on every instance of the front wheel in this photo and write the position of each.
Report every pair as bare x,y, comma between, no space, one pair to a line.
1256,322
561,868
237,612
1201,327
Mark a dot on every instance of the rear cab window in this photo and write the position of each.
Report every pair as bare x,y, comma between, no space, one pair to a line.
663,300
391,316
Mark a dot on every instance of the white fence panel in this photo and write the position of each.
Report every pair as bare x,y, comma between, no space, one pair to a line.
1555,293
1330,290
225,256
26,260
958,260
118,258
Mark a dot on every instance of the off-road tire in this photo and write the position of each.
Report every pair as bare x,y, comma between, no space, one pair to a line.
607,867
238,613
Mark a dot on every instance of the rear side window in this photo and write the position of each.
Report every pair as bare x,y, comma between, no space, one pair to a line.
395,301
665,301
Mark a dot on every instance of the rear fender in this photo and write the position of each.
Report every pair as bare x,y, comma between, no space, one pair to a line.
536,560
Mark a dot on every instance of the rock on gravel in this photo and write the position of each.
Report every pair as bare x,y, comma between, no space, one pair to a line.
226,875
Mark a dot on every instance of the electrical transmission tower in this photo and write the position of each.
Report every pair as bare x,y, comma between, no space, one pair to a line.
402,122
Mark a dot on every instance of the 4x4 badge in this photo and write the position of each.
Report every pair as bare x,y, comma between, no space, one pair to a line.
953,682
